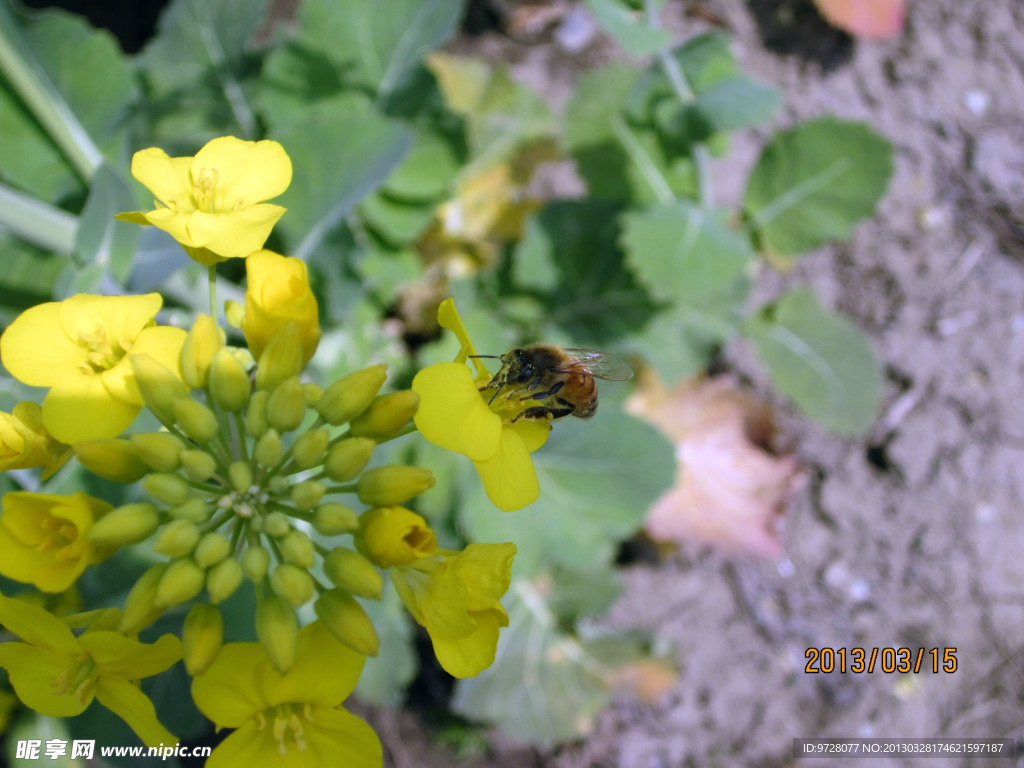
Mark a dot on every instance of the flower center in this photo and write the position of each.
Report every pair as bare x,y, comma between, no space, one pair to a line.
101,354
288,725
203,188
80,677
61,539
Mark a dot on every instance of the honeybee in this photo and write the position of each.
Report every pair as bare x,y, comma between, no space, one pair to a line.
562,378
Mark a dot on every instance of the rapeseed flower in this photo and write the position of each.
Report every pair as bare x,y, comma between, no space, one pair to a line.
277,293
24,441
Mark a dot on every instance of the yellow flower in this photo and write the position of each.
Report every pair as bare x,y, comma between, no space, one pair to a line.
43,538
212,203
394,536
24,441
455,415
58,675
288,720
278,293
455,595
82,348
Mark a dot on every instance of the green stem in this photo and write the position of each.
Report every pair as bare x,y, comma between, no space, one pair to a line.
350,488
41,224
212,279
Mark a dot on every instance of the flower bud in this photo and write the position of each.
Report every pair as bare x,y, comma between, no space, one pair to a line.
309,448
160,450
198,421
256,414
167,488
286,406
140,608
198,465
211,549
392,484
223,579
240,475
334,519
182,581
297,549
277,629
313,393
195,510
394,536
112,458
281,360
268,449
276,525
307,494
353,573
278,294
159,387
347,620
385,415
201,637
292,584
233,313
348,458
279,485
129,524
201,343
350,395
255,561
177,539
229,383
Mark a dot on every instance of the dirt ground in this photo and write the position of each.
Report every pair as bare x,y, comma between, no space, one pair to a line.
911,537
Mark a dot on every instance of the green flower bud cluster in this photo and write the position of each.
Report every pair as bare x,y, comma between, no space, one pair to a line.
249,478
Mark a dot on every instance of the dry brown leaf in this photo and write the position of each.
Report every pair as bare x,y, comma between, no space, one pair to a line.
864,18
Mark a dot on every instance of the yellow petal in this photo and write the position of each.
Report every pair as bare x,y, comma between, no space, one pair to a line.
448,317
80,408
134,707
230,691
509,477
469,656
452,414
166,177
173,223
36,350
119,317
247,172
122,656
33,673
234,234
161,342
132,217
37,627
534,432
325,671
486,570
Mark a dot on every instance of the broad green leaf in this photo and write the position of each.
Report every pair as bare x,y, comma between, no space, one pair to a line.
681,341
395,222
577,594
100,240
384,272
385,678
592,296
427,171
628,28
619,157
29,276
813,183
375,47
820,361
737,102
339,157
597,479
706,60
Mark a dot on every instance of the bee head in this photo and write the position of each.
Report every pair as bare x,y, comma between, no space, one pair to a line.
521,367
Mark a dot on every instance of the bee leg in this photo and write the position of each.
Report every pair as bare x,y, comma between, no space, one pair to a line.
544,395
564,408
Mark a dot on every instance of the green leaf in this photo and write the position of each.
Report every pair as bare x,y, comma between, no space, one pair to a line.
738,102
340,156
597,479
29,277
682,341
820,361
395,222
427,171
377,48
100,240
619,157
813,183
706,60
628,28
385,677
593,297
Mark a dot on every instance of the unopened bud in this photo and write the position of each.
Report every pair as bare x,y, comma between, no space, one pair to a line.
140,608
349,396
233,313
198,465
385,415
352,572
198,421
160,450
308,494
182,581
392,484
256,414
309,448
195,510
279,485
168,488
292,584
255,561
240,475
112,458
229,383
347,620
286,406
348,458
394,536
125,525
211,549
277,630
268,449
223,579
313,393
297,548
160,388
334,519
201,637
276,525
177,539
201,343
281,359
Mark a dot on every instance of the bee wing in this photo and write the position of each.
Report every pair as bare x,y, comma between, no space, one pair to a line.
601,365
